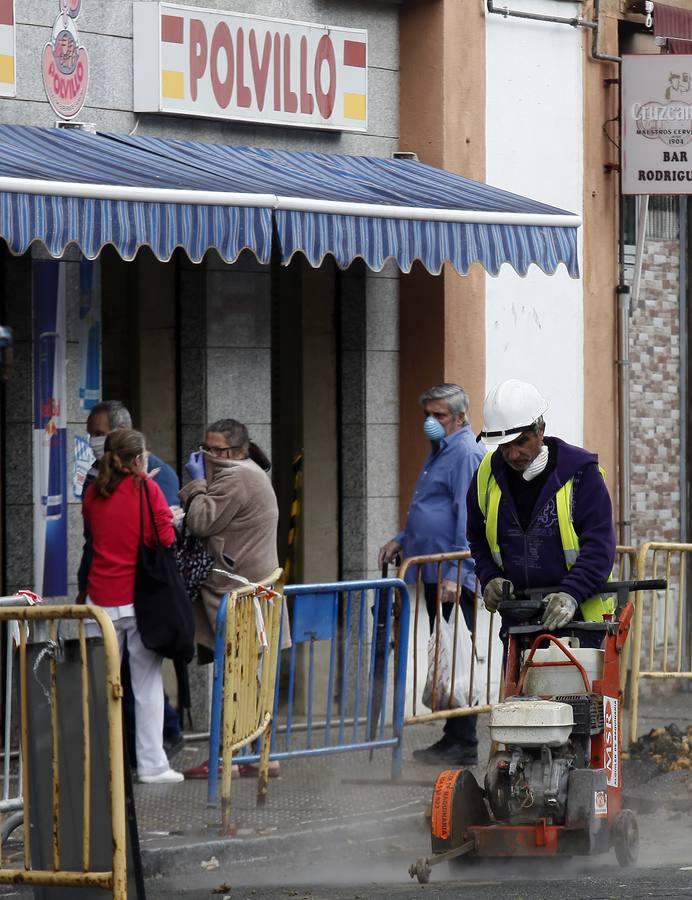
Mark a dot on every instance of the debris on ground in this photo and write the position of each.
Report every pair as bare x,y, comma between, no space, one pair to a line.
670,748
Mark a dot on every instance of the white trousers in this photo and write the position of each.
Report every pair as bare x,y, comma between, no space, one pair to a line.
147,688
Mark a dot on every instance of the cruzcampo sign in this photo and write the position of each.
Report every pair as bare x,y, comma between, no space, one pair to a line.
199,62
657,124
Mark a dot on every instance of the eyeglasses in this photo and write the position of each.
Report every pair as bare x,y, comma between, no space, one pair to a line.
215,451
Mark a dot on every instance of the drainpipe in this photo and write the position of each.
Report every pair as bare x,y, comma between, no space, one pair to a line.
625,491
577,22
574,21
625,305
684,372
684,419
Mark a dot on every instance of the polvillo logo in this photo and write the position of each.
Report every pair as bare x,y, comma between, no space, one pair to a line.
66,63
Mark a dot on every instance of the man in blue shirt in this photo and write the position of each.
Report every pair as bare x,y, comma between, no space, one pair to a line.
436,523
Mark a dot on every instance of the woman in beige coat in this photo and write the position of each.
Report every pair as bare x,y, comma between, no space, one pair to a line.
233,507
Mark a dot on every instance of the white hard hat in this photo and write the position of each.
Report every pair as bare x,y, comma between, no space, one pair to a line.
510,408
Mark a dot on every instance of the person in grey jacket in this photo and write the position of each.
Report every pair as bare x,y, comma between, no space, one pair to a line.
231,504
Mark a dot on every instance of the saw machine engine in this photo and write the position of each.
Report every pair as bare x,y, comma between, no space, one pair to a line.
524,786
544,741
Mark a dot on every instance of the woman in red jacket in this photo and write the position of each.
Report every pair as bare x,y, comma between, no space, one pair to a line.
111,508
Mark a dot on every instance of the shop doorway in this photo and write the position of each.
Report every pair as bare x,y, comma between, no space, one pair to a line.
306,418
139,345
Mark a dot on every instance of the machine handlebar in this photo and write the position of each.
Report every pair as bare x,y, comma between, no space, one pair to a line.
531,601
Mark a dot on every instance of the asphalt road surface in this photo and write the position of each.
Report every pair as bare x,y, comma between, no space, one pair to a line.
666,881
378,868
370,865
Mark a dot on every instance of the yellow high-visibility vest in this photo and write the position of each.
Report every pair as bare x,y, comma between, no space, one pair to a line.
489,494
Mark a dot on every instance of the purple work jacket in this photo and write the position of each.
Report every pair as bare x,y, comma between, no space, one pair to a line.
535,558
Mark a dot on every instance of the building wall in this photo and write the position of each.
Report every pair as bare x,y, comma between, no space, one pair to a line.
443,120
105,28
225,325
534,146
655,396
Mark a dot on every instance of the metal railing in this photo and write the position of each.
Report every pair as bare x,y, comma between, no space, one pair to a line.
363,627
246,654
660,647
481,667
11,801
484,651
345,683
115,879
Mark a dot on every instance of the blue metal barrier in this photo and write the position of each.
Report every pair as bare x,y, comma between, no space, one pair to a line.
357,622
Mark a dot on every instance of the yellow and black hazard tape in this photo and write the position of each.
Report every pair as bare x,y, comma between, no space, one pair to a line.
296,508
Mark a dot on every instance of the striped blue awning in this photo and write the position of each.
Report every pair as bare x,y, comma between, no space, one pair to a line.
65,186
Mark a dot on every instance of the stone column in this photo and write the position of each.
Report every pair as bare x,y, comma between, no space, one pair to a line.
370,415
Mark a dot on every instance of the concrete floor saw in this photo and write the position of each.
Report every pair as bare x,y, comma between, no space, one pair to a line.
553,786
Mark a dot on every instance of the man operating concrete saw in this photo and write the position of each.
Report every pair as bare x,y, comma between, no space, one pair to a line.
539,512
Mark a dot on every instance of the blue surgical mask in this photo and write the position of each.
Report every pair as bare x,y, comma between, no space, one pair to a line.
433,429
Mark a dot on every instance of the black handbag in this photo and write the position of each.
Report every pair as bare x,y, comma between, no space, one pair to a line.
165,619
192,558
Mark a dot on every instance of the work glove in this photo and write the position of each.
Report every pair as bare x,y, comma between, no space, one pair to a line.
559,610
494,592
195,465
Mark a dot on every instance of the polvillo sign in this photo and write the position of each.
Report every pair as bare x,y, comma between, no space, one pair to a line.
198,62
65,63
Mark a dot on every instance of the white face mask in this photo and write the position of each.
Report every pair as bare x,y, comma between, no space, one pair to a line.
96,443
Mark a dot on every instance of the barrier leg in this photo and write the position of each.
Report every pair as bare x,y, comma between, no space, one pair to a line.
216,704
400,688
263,778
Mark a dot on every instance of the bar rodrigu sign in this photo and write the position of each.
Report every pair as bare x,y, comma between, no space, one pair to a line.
657,124
198,62
65,63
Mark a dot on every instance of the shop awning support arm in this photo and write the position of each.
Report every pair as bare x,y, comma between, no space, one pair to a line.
574,21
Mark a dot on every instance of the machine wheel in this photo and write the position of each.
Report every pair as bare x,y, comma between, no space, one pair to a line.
421,870
457,803
626,838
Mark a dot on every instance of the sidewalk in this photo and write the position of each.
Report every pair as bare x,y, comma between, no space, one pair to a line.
339,793
344,798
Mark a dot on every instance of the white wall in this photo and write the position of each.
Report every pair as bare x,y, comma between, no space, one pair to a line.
534,140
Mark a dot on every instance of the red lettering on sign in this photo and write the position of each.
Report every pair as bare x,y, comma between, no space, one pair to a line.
277,71
290,97
325,98
609,748
222,41
260,70
198,54
244,97
307,102
66,87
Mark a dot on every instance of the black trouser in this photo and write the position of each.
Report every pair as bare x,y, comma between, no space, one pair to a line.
462,728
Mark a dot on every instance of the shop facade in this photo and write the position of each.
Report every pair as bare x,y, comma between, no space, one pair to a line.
321,348
307,357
